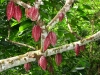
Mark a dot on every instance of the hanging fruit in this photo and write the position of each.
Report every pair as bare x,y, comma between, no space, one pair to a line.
27,66
42,62
53,38
58,59
17,13
36,32
46,43
50,69
82,47
50,39
77,49
61,16
32,13
10,10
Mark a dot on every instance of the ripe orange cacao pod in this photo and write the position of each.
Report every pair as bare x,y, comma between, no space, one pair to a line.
77,49
46,43
53,38
36,32
32,13
17,13
10,10
58,59
61,16
27,66
42,62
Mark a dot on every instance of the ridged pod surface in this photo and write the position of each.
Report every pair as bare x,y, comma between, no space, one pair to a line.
58,59
17,13
32,13
77,49
53,38
27,66
10,10
50,39
42,62
46,43
36,32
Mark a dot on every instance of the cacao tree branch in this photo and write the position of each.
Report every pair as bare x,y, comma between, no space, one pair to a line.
33,55
25,5
21,44
43,36
21,3
38,3
64,9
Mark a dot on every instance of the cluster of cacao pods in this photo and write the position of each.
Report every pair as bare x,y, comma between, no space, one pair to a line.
78,48
50,39
33,13
27,66
42,62
13,11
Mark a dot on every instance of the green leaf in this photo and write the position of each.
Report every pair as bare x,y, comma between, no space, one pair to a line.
87,6
24,26
14,23
2,1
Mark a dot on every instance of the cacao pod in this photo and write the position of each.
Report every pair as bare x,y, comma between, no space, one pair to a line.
82,47
17,13
50,39
36,32
50,69
53,38
32,13
42,62
58,59
46,43
27,66
77,49
10,10
61,16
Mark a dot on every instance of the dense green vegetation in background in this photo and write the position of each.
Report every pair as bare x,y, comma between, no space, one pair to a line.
84,18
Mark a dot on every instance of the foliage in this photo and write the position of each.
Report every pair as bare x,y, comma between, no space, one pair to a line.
84,18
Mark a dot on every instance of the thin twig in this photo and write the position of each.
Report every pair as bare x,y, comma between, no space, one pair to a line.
21,3
21,44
